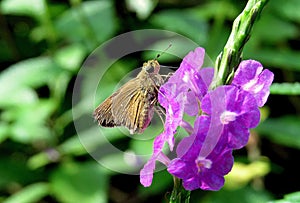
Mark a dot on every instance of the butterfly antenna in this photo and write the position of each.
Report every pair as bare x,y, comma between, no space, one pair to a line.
158,55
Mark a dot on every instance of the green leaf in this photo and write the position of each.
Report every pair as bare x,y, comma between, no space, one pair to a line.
142,10
282,29
16,171
122,162
283,130
284,59
43,158
26,126
82,143
289,198
89,21
180,47
29,194
162,181
32,8
73,146
21,97
216,9
90,140
285,88
186,23
242,174
80,182
4,131
287,9
244,195
6,54
218,12
33,73
71,57
142,146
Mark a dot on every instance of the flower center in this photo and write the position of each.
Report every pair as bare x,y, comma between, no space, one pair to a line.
203,163
227,116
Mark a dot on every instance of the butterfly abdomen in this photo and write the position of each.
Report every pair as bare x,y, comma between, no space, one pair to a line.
147,111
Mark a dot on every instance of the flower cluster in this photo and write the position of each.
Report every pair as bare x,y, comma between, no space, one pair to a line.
223,118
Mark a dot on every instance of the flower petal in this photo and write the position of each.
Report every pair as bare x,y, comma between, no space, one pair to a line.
146,174
230,100
195,170
250,77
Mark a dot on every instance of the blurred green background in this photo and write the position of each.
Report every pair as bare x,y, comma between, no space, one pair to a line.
42,47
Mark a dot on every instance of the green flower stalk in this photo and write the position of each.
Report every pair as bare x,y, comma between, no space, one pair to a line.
179,194
230,57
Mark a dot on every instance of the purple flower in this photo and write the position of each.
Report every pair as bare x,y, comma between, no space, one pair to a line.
197,80
193,61
190,75
173,94
146,174
251,77
233,112
196,169
194,97
173,101
206,156
173,97
224,117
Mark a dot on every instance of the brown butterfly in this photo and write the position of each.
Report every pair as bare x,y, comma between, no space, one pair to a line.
132,105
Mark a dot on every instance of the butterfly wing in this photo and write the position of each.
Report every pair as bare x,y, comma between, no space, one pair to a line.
103,113
128,105
131,106
122,107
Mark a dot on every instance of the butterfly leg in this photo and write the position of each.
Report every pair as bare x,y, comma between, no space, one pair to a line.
159,110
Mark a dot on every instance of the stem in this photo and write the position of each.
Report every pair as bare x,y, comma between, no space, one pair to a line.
179,194
230,57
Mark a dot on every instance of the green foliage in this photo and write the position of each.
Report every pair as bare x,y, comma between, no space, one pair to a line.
284,130
91,22
289,198
75,182
286,88
32,8
170,20
43,46
30,193
244,194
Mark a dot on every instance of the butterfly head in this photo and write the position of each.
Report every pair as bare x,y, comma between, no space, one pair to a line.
154,63
151,64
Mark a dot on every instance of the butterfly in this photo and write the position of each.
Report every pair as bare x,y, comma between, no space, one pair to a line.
132,105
